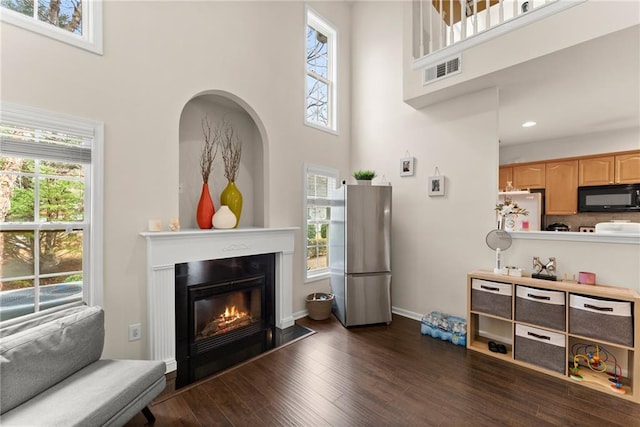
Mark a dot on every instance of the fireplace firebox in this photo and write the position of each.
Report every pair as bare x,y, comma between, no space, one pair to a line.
225,313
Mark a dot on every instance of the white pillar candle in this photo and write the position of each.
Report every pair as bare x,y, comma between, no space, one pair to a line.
155,225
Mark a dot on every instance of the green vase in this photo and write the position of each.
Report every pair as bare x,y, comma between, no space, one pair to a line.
232,197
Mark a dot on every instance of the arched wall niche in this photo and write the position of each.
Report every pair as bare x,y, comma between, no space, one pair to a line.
252,178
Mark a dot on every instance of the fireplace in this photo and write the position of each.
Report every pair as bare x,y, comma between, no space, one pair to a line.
167,249
225,311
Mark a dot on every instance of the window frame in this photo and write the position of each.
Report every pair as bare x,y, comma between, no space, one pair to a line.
92,226
90,40
311,276
319,23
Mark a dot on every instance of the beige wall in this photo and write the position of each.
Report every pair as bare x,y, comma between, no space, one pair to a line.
250,172
436,240
567,28
578,145
153,66
157,56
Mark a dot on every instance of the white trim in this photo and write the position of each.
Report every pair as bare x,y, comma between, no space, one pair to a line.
90,40
406,313
317,126
317,277
569,236
95,248
300,314
315,20
167,248
37,118
515,23
316,170
17,114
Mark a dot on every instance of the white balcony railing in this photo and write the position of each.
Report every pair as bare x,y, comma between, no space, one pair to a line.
444,28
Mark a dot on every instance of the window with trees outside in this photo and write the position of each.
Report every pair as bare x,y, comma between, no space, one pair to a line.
320,79
76,22
319,184
49,227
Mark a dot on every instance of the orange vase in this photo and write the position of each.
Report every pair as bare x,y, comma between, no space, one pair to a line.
205,210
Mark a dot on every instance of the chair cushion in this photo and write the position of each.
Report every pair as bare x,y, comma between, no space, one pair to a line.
34,358
103,393
13,326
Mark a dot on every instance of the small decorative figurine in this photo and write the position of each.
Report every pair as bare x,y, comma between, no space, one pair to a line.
174,224
544,271
537,265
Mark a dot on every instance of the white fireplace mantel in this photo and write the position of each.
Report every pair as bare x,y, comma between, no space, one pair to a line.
166,249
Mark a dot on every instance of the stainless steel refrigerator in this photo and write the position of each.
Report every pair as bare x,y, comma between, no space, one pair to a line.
360,254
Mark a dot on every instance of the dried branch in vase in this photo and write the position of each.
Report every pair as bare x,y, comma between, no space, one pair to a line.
231,150
209,149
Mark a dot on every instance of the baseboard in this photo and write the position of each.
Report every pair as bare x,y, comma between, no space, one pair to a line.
395,310
300,314
494,337
170,386
406,313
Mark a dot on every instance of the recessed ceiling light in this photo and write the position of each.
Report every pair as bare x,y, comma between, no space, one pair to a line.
528,124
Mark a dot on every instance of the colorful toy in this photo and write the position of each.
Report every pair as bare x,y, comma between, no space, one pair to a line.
598,360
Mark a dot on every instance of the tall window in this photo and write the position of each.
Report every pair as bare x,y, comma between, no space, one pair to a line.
49,224
319,183
77,22
320,77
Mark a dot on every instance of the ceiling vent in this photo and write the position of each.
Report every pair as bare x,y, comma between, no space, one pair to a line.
442,70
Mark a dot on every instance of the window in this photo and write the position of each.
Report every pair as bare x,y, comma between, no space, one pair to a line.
320,79
319,184
76,22
50,221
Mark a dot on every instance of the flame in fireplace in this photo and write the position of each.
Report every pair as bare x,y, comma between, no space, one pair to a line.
232,313
232,318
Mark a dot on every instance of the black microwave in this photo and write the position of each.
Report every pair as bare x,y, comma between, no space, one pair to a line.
609,198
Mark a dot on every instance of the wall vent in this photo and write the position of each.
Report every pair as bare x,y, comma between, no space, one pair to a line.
445,69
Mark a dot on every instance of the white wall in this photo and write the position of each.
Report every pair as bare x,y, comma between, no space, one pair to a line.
570,27
614,264
436,240
579,145
152,68
157,57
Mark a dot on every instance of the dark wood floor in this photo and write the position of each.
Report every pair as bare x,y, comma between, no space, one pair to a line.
385,376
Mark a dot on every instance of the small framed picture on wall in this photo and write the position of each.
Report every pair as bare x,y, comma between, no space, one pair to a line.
436,185
406,166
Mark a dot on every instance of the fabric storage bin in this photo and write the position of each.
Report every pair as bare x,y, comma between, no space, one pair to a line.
540,307
602,319
540,347
491,297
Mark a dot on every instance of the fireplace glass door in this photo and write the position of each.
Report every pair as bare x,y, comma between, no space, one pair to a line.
224,313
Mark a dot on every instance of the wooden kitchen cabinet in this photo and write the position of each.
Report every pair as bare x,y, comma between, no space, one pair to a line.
612,169
530,175
561,194
596,171
505,174
627,169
